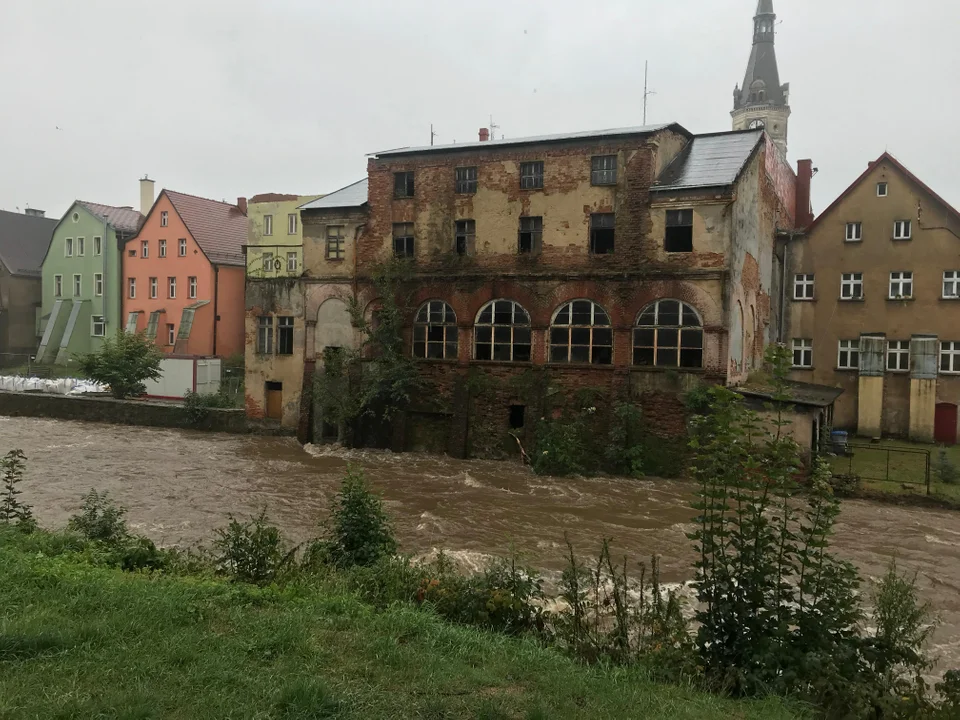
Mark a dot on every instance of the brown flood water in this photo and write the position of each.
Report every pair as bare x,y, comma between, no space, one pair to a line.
179,485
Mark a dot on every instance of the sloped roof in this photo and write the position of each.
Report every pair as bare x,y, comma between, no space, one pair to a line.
219,228
273,197
123,219
24,240
350,196
709,161
798,393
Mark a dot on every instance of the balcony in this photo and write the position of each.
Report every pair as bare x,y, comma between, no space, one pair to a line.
274,261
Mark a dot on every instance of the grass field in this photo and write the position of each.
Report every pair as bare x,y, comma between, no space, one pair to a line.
78,641
907,470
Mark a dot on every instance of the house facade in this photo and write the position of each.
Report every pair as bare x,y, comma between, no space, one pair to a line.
183,275
275,240
874,305
24,238
81,280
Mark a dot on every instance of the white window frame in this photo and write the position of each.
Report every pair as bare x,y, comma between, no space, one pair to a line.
144,248
182,247
192,287
268,225
132,288
803,286
93,326
161,248
172,288
267,260
902,229
154,288
883,189
805,347
854,232
164,217
58,286
902,278
81,246
849,283
951,278
846,351
292,262
68,247
171,334
97,245
77,285
98,284
292,224
950,350
898,352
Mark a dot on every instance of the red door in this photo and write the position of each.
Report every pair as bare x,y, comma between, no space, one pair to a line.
945,424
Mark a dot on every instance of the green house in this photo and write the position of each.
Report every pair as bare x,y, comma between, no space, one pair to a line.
82,280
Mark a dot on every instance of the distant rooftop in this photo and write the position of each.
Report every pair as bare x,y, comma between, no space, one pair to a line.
350,196
535,140
709,161
23,242
124,219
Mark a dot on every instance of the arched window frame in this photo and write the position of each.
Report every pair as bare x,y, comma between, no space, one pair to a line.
435,333
589,341
658,342
505,334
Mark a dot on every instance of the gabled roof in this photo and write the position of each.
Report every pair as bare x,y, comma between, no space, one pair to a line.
888,158
219,228
123,219
354,195
24,240
714,160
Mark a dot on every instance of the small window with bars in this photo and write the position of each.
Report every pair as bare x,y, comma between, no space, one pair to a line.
531,175
466,180
403,240
603,170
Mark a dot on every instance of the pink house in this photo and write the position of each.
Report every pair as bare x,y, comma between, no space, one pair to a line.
183,275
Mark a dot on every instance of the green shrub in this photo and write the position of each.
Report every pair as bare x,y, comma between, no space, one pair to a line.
845,486
197,407
944,470
101,519
123,362
698,399
253,552
560,447
358,531
624,453
12,509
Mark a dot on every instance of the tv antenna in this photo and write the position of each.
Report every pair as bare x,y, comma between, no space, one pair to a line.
432,134
646,92
493,130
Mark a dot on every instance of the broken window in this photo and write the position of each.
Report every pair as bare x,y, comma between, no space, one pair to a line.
531,175
502,332
517,416
435,332
669,333
531,235
465,237
679,237
466,180
603,170
403,185
403,240
284,336
602,233
265,335
581,333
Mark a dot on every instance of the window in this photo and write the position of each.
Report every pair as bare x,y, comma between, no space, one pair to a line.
854,232
502,332
602,231
265,335
267,259
183,247
531,175
669,333
881,189
901,285
901,230
171,334
132,253
851,286
145,248
154,285
951,283
162,249
292,224
77,285
131,288
334,242
284,336
81,249
466,180
803,287
97,326
898,355
848,355
531,235
68,247
171,287
581,333
403,185
58,285
465,238
603,170
268,224
435,333
292,262
98,284
403,240
950,357
97,245
802,353
679,235
192,287
163,218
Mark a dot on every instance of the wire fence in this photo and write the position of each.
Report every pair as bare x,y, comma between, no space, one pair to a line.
906,467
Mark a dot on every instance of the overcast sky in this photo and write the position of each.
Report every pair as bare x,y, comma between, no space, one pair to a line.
223,98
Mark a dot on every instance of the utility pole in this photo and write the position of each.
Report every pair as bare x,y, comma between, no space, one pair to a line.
646,92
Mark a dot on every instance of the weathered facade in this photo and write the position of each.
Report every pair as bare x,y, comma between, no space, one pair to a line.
874,305
275,235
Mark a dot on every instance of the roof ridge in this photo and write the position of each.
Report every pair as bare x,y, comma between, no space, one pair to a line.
115,207
199,197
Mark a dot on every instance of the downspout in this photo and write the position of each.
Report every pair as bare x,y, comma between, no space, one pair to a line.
216,298
103,297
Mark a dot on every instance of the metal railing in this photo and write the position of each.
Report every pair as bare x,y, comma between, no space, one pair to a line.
907,466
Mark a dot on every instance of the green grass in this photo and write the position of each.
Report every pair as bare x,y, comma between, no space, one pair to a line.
906,470
79,641
43,371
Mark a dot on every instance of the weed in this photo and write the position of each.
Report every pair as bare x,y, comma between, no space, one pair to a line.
12,509
100,518
253,552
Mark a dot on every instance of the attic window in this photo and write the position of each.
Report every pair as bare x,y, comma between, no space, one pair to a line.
163,218
881,189
679,234
76,217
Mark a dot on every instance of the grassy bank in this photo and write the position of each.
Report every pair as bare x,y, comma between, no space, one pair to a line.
81,641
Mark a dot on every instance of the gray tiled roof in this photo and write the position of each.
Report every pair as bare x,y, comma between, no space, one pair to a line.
123,219
798,393
353,195
709,161
24,240
587,135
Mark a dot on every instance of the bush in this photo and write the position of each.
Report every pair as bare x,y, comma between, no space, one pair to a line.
253,552
100,519
358,531
944,469
560,447
845,486
624,454
197,407
123,362
12,509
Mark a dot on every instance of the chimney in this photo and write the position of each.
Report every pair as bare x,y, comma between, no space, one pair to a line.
33,212
803,213
242,204
484,134
146,195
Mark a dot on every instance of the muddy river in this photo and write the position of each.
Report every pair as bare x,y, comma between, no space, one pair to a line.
178,486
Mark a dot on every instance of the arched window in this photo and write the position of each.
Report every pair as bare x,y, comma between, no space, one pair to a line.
581,333
502,332
435,331
668,334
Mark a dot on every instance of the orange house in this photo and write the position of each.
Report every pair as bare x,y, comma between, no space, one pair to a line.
183,275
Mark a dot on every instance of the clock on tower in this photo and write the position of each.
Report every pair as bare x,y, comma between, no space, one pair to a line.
756,124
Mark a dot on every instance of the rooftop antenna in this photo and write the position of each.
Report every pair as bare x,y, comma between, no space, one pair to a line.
493,130
432,134
646,92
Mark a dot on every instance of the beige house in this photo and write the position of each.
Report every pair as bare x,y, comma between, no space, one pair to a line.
873,305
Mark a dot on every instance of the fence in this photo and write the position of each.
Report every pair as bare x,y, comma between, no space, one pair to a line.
905,466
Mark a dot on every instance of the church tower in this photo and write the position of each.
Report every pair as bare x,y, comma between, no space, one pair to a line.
762,101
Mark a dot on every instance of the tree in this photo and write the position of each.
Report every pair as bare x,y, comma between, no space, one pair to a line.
123,362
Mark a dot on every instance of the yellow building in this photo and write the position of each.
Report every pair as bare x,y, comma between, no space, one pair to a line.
275,241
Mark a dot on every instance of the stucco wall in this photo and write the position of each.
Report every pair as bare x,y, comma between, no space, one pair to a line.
230,304
281,241
20,297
